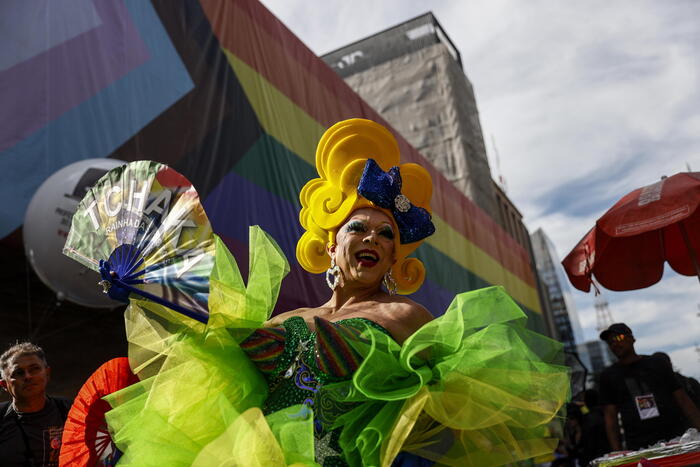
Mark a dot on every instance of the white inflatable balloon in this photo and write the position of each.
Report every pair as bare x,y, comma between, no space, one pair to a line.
46,225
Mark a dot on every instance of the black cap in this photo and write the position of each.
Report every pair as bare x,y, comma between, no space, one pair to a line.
617,328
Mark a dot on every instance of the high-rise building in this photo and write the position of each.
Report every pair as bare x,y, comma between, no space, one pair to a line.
412,75
560,297
599,357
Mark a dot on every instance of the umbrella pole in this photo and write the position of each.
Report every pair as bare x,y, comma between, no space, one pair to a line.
691,252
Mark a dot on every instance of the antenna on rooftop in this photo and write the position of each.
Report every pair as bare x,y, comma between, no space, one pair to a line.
602,313
501,180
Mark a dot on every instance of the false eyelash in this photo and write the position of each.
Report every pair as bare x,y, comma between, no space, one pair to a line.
388,233
356,226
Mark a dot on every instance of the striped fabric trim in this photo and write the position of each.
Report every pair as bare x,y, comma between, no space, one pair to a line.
333,355
275,111
471,257
264,347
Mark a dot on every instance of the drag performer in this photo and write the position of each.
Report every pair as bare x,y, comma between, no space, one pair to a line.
367,378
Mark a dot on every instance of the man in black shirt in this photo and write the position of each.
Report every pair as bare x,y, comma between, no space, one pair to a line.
689,385
31,424
644,390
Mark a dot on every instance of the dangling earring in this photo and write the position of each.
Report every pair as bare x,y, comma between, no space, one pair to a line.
389,283
332,274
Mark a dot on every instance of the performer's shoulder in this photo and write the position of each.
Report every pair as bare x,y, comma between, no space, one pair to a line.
409,309
277,320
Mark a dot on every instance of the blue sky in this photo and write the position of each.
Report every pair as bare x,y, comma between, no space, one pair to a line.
586,101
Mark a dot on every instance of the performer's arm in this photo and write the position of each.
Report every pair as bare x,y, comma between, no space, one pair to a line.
688,407
611,427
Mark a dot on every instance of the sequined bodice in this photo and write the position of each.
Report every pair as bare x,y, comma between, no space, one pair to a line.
298,362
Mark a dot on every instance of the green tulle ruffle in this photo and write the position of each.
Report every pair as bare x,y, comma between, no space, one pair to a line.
473,387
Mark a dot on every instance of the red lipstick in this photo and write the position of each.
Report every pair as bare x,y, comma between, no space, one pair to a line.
367,258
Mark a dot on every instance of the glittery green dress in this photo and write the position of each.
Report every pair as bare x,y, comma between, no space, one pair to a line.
298,363
473,387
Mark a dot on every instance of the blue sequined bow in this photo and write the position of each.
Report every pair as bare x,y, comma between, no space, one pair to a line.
384,190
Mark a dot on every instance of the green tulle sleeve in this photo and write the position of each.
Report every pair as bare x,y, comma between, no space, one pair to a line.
198,389
473,387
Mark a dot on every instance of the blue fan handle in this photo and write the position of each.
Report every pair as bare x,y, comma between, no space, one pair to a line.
119,290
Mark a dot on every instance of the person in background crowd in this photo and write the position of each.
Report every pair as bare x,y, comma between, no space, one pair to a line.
646,393
594,441
31,423
690,385
568,450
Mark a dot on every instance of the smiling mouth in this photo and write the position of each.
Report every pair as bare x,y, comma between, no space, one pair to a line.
368,258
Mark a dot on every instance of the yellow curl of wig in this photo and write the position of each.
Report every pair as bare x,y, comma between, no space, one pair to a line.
327,201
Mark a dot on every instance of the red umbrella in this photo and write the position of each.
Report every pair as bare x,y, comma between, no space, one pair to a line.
86,441
629,244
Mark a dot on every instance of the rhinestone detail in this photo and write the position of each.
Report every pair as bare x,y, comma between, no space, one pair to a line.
402,203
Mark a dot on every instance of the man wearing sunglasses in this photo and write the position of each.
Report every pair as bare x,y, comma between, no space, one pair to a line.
644,391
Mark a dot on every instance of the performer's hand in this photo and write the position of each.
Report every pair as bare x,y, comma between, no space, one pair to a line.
113,289
106,271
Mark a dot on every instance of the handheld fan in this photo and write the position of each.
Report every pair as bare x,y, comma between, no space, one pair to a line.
144,230
86,439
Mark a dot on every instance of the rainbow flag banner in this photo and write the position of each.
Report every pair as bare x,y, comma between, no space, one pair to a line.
224,93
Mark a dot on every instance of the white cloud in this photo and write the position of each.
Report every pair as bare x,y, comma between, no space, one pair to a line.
584,96
684,358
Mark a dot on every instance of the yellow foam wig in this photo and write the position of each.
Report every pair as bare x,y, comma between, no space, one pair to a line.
329,200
